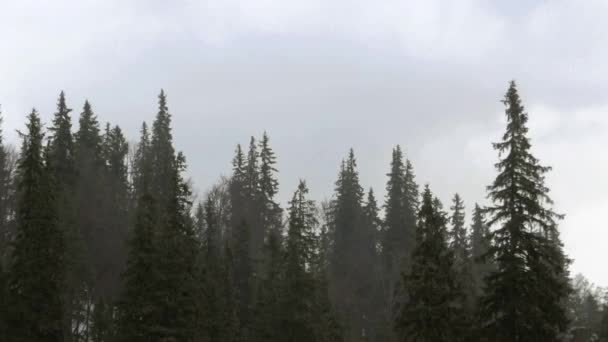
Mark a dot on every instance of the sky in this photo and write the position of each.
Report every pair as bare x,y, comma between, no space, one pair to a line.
324,76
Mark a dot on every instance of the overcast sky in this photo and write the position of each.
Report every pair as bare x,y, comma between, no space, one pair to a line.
324,76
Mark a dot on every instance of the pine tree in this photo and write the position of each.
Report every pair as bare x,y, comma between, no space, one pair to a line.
116,203
300,286
395,233
268,313
241,240
432,311
136,305
350,276
524,297
175,247
6,199
269,185
460,246
480,244
62,160
37,271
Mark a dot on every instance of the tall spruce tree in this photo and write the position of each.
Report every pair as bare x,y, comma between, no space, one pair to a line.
116,204
6,199
524,297
268,311
433,310
175,254
38,265
298,310
62,160
269,185
351,274
460,246
480,240
136,305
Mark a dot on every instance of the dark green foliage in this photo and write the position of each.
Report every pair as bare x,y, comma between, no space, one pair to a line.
433,308
102,327
351,261
463,263
37,271
63,163
398,235
136,305
159,301
480,244
268,313
269,186
524,297
75,216
299,282
400,214
7,199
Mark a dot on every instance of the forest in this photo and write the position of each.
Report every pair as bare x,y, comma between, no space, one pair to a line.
103,241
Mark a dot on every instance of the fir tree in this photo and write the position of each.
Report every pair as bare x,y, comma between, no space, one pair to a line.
460,246
268,313
480,244
136,305
432,311
6,199
350,275
271,211
396,232
63,164
38,269
300,286
524,297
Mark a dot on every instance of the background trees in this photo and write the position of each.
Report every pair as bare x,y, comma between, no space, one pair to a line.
96,248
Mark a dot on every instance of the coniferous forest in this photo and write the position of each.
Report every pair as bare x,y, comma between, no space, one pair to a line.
104,241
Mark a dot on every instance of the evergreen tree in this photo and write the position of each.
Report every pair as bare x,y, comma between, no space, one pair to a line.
350,274
3,305
269,186
243,271
432,311
6,199
38,269
136,305
62,160
175,247
524,297
480,244
298,314
459,244
116,203
268,313
397,232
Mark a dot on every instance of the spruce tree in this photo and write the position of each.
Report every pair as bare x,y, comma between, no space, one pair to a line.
136,305
269,186
62,160
460,246
243,270
6,199
350,270
432,310
268,311
298,314
480,244
174,241
38,265
524,296
87,192
116,203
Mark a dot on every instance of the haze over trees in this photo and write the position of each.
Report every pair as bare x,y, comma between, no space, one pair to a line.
101,241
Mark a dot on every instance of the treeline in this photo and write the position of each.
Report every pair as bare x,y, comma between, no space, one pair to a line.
102,241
